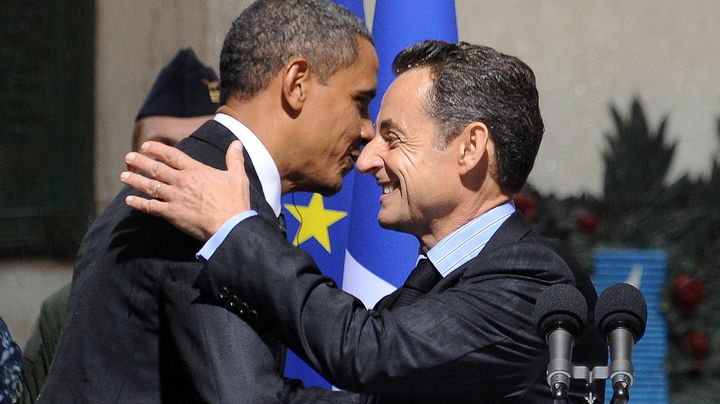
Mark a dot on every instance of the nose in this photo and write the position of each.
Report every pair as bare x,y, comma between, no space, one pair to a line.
369,159
367,132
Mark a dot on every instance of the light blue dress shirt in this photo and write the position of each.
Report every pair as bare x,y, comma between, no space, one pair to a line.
466,242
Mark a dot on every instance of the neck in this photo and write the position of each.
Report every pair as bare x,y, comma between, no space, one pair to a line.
257,115
460,216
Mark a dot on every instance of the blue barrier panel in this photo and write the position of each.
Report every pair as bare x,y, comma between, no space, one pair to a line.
645,269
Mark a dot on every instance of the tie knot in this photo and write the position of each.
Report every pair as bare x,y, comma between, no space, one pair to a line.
420,281
423,277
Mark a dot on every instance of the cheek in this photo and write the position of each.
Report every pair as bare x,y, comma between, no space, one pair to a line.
419,185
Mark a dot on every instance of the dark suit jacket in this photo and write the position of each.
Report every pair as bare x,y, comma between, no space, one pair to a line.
137,331
470,339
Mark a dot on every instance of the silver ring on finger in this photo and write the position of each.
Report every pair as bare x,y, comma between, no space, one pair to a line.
157,189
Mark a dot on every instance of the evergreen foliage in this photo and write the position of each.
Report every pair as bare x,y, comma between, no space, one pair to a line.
639,208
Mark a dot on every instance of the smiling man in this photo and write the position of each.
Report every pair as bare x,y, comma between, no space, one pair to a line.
296,80
457,135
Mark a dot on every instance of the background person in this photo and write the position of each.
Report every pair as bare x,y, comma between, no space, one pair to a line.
184,95
9,366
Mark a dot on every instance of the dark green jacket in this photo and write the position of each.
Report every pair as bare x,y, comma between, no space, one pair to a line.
40,347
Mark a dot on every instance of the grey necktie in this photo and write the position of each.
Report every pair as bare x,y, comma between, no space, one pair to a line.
420,281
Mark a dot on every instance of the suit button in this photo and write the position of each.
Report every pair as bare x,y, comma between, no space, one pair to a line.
223,293
253,314
233,301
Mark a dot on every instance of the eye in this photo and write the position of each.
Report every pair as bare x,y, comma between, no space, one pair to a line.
363,106
364,109
392,139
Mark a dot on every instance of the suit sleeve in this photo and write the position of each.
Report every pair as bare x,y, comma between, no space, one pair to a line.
479,329
224,358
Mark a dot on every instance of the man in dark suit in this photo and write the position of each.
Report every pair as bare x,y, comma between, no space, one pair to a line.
296,80
183,97
457,135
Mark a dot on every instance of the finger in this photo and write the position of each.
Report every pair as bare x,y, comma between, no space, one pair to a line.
150,206
156,169
234,157
148,186
167,154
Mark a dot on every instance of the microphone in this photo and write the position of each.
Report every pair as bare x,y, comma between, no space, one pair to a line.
560,313
621,316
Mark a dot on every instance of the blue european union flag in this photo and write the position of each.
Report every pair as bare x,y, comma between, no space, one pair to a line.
341,232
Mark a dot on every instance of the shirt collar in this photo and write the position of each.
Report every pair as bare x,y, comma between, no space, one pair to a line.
262,161
466,242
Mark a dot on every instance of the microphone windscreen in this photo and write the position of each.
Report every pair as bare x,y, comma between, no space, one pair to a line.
560,305
621,305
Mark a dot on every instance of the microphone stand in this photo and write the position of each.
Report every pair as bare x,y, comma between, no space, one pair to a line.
559,393
621,393
591,376
621,389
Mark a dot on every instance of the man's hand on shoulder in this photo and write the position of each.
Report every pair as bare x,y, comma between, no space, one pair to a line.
194,197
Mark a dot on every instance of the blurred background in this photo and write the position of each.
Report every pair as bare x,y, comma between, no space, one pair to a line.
74,74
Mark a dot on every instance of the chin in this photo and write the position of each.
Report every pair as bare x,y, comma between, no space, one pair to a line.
389,223
327,189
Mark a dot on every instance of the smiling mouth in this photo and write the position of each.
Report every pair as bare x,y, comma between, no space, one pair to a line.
388,188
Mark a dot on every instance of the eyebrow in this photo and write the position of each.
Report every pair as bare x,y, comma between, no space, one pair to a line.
365,95
388,124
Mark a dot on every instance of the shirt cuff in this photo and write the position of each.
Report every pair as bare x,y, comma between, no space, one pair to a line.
214,242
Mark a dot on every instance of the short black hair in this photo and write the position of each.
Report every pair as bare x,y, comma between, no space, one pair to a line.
473,83
270,32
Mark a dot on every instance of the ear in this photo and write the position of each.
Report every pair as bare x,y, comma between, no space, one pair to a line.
295,82
475,147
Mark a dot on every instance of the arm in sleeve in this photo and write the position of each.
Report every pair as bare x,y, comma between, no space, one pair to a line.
214,242
215,356
451,333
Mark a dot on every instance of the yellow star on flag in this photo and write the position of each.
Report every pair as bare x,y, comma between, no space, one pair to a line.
314,221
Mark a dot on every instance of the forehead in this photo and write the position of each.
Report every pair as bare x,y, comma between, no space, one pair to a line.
404,100
362,74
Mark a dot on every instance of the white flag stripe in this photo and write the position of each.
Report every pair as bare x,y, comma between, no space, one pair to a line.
635,276
362,283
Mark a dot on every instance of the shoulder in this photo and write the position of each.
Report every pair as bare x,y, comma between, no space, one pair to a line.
526,254
208,144
517,250
536,259
54,306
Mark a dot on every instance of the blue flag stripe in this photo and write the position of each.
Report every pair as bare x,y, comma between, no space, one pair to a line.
330,264
396,25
